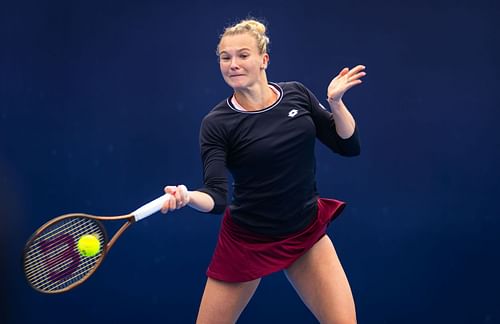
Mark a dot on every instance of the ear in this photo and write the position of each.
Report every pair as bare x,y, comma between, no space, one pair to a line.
265,61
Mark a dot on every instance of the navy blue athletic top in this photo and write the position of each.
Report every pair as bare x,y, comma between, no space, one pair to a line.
270,155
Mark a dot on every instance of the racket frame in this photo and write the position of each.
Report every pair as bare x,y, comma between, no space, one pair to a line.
139,214
105,248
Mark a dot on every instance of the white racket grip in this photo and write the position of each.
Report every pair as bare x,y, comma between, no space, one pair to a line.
150,208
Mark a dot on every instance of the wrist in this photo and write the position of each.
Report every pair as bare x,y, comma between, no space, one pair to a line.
335,104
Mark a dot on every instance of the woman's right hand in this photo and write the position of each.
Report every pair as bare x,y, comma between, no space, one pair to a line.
179,198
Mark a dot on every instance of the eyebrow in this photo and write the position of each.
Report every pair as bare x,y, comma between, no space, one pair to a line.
240,50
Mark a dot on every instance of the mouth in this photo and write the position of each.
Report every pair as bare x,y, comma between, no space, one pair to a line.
236,75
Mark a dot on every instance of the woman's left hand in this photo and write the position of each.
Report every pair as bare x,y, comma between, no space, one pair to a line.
344,81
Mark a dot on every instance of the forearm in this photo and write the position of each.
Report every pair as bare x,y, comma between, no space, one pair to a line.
200,201
344,122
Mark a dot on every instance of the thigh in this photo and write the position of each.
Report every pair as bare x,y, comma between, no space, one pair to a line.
223,302
320,281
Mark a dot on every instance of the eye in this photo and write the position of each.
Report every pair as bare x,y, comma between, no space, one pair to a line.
224,58
244,55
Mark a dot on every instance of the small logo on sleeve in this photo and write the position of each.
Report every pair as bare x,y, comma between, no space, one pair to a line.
292,113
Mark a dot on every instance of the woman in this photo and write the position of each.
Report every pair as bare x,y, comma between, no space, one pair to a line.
264,134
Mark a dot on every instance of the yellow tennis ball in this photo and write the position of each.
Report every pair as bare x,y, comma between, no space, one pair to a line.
89,245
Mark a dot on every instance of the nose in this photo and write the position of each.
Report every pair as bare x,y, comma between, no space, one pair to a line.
234,64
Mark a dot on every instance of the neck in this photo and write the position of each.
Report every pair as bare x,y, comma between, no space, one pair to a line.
257,97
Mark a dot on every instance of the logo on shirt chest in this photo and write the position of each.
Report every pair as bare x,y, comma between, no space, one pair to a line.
292,113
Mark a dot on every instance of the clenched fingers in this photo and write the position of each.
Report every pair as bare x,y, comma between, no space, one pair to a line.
179,197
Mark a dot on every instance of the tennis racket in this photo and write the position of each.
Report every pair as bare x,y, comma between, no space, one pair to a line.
52,262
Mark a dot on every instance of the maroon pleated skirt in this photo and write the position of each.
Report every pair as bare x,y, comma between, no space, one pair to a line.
241,255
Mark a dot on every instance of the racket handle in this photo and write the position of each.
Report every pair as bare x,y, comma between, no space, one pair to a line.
150,208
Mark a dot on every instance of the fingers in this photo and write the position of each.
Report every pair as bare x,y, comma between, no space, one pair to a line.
343,72
356,69
351,84
345,80
170,189
352,74
184,193
353,77
356,78
179,197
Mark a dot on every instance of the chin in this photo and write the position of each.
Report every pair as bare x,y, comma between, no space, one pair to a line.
236,85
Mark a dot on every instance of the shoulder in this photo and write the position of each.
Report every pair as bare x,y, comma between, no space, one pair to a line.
218,122
217,113
294,90
290,85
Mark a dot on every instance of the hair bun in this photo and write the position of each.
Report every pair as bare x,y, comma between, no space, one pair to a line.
252,26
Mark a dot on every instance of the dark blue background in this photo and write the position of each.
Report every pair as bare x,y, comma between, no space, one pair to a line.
100,105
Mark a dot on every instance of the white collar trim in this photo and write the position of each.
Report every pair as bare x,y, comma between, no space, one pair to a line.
234,105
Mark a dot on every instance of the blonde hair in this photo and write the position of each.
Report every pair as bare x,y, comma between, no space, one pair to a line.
252,27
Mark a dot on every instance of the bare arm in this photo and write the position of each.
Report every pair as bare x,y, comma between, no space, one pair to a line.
200,201
194,199
344,122
346,79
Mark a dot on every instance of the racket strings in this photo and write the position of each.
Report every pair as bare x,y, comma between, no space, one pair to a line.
73,279
52,260
52,270
56,237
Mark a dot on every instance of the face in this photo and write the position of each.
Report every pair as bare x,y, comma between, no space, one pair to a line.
240,63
